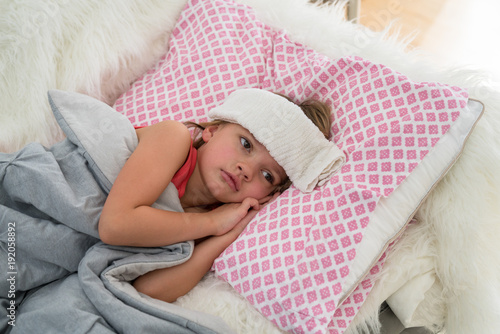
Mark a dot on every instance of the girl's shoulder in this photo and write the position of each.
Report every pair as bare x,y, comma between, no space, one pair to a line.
167,129
166,136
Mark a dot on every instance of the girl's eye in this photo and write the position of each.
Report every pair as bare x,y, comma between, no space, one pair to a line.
245,143
268,176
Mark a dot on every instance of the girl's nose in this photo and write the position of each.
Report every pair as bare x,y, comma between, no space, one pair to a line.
245,169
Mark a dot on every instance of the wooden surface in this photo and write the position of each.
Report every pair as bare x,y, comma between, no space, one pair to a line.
461,32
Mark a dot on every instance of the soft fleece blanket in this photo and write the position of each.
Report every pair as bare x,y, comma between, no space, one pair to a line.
61,278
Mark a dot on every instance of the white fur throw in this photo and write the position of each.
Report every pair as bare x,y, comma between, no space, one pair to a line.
100,47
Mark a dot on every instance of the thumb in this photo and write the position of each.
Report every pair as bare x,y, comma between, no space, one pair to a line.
251,203
240,226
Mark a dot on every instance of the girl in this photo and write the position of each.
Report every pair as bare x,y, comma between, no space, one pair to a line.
259,143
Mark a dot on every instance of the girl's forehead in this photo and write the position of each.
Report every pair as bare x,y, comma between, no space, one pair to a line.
244,131
236,128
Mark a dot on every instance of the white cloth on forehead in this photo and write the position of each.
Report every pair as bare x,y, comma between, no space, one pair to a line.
292,139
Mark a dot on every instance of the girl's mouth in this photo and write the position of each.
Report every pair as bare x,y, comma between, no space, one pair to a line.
231,180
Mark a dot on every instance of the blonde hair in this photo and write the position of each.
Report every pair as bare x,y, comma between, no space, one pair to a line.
317,111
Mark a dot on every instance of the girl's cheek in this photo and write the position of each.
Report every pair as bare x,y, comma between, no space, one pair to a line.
261,191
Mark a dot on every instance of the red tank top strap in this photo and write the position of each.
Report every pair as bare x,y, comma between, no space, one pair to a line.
182,176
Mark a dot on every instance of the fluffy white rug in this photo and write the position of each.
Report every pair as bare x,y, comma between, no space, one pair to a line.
100,47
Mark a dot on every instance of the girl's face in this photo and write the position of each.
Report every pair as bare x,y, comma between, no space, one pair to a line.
234,165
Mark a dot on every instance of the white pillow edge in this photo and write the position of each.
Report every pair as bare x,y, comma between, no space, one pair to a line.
387,224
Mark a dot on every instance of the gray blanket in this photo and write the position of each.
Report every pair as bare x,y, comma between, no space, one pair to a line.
57,277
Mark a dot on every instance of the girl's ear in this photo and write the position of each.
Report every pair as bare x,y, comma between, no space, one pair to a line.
209,132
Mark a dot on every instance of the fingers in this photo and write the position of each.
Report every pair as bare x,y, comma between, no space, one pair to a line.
251,203
275,195
241,225
250,215
268,199
265,199
251,207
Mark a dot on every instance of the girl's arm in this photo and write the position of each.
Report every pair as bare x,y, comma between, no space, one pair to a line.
168,284
128,218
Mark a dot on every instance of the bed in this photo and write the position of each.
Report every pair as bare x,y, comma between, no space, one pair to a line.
420,237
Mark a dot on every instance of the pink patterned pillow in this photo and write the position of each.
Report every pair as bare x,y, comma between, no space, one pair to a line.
306,260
